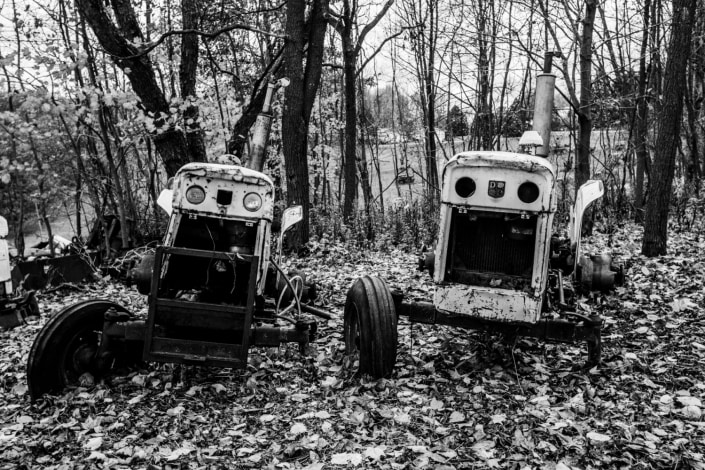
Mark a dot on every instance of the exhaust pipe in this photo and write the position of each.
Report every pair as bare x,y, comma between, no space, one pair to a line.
543,104
259,135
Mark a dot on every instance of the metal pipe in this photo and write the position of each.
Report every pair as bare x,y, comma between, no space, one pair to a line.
543,110
259,135
316,311
266,335
260,132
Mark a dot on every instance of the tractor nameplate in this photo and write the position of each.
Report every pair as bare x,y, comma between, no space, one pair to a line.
496,189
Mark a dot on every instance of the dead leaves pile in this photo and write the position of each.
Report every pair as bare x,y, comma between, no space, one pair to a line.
457,399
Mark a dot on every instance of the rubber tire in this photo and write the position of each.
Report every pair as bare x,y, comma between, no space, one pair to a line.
50,368
370,326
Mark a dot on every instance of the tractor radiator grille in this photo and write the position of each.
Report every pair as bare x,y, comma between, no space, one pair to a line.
491,249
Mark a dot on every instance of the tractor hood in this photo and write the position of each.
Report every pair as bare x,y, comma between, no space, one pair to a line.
499,181
223,190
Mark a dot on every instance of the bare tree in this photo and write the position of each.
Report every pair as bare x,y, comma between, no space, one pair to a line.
420,17
641,118
345,23
668,131
582,161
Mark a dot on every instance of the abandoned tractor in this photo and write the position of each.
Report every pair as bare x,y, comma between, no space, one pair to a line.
496,265
214,289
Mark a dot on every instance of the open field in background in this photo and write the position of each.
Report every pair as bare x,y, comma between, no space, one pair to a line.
608,150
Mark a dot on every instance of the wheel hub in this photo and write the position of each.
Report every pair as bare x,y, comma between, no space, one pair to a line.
83,357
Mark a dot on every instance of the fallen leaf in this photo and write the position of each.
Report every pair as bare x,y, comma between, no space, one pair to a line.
178,453
346,458
597,437
375,453
484,449
436,404
298,428
93,443
176,411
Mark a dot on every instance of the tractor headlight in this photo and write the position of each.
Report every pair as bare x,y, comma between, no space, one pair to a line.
528,192
195,194
252,202
465,187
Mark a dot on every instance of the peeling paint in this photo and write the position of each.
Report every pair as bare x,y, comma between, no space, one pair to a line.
512,170
488,303
212,177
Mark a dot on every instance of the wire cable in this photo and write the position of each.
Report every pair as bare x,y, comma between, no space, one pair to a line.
297,300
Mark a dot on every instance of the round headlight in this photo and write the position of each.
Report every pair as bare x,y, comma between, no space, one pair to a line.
528,192
465,187
252,202
195,194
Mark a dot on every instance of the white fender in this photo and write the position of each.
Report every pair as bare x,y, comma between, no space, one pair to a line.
587,194
165,200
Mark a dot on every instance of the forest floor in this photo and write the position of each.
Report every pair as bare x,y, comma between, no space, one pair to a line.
457,399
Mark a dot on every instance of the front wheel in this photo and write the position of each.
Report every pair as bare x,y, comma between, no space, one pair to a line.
67,347
370,326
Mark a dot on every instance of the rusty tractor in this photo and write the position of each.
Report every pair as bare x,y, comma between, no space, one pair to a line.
496,265
214,288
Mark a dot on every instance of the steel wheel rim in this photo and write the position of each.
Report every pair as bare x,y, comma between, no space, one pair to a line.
352,332
77,356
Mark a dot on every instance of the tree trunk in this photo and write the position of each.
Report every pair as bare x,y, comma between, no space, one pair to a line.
362,163
642,126
694,103
187,79
484,116
582,163
299,99
434,189
350,155
346,26
668,135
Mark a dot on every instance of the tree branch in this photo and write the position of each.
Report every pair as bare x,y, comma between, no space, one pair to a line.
146,49
370,26
379,48
335,21
264,10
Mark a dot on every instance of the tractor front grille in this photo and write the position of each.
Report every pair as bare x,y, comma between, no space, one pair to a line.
216,281
491,249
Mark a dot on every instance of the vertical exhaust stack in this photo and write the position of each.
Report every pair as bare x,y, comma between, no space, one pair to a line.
259,135
543,105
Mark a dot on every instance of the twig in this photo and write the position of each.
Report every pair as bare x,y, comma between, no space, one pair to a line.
207,34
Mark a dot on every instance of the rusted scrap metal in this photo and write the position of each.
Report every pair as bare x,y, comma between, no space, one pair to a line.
14,309
41,272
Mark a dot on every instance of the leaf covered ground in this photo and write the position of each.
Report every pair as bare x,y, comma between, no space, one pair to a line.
457,399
